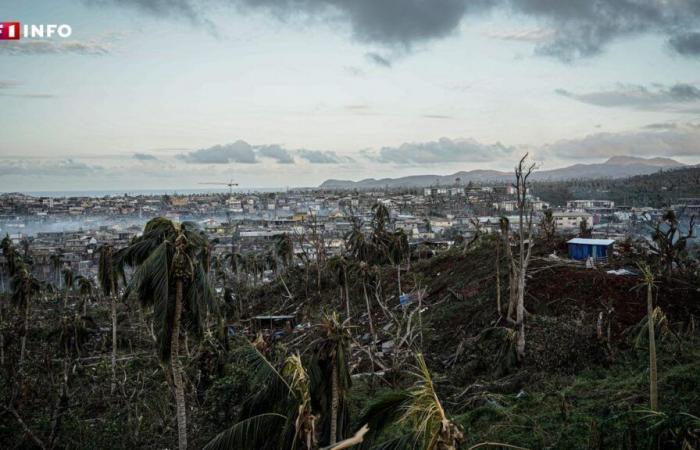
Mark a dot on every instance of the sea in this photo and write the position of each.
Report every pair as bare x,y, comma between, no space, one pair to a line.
137,192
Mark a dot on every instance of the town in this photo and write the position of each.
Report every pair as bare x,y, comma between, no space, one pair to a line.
433,218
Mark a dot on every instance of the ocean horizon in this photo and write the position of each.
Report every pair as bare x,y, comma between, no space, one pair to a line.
138,192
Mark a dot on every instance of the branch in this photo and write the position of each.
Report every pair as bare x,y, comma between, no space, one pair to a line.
24,426
352,441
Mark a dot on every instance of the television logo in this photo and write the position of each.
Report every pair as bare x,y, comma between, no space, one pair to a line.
9,31
13,31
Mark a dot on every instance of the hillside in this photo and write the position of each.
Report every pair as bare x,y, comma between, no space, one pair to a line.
662,188
583,384
615,167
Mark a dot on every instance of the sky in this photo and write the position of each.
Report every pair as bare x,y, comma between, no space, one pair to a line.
167,94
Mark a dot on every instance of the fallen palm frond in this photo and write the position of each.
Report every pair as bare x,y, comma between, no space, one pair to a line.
252,433
420,409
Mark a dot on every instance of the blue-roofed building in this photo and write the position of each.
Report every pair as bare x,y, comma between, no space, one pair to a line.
581,249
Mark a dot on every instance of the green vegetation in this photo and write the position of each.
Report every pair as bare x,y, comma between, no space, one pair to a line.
609,361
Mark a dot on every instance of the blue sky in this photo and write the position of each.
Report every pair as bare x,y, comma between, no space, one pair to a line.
155,94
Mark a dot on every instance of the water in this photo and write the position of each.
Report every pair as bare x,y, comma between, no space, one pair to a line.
149,192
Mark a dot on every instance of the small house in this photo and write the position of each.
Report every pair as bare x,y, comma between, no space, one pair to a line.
581,249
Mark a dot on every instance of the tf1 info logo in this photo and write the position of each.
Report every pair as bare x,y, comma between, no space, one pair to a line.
12,31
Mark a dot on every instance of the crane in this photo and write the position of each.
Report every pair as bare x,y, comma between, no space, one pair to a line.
230,185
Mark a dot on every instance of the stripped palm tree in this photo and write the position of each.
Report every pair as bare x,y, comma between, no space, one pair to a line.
68,278
24,286
169,276
11,258
284,250
338,265
648,282
397,252
365,272
56,260
85,290
331,359
420,409
107,276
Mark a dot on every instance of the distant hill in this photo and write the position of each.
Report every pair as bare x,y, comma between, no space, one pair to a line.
659,189
615,167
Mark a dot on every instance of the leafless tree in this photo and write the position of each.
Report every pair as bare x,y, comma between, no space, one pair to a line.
520,262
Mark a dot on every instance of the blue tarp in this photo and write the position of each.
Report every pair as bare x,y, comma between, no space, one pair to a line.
584,251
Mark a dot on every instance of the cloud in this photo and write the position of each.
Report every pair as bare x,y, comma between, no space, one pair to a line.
573,28
63,168
687,44
444,150
54,47
379,60
533,35
323,157
7,85
669,142
29,95
437,116
656,97
238,152
144,157
277,153
661,126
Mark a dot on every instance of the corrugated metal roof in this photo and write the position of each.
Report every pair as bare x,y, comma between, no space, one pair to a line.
591,241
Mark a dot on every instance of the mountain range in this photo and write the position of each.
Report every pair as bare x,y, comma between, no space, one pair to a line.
615,167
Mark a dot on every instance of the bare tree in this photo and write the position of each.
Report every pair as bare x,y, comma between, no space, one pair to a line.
648,282
520,262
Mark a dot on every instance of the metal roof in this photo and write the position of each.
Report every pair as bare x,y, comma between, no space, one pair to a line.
591,241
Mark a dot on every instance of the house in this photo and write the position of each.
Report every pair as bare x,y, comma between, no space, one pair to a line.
571,219
581,249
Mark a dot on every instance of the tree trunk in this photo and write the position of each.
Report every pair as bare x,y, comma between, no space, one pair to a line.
512,291
25,332
653,391
498,278
369,314
334,404
177,369
347,294
114,338
2,336
398,277
520,316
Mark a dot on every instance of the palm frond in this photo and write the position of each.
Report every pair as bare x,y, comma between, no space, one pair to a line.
381,414
252,433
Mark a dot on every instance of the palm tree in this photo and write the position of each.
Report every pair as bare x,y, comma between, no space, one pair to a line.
11,256
332,351
56,260
107,276
398,251
279,415
365,272
85,290
338,265
169,276
24,287
357,244
68,277
420,409
648,282
235,261
284,249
